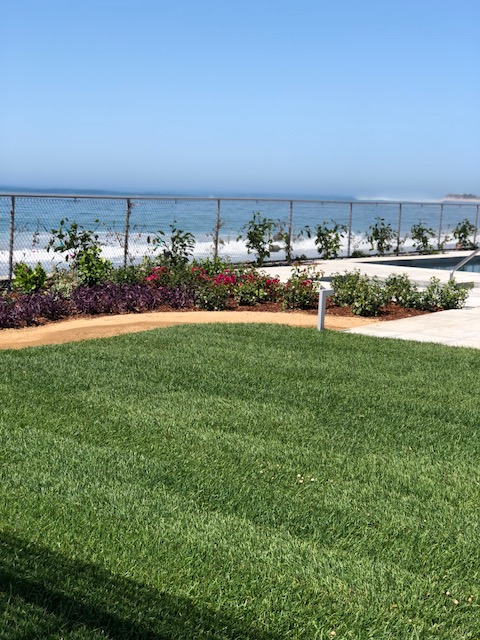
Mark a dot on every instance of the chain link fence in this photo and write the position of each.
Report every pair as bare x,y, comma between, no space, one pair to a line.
126,226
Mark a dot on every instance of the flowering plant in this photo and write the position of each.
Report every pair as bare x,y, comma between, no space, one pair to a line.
301,290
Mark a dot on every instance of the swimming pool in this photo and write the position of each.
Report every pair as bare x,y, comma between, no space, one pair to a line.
446,263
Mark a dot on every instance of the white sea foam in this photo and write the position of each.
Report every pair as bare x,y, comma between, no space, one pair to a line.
229,248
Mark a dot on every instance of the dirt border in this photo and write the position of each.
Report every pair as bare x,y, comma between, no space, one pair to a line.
77,329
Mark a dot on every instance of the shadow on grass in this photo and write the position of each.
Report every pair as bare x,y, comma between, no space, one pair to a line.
44,593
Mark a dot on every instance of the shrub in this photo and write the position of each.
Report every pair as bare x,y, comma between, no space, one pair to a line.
63,281
27,309
83,248
214,266
381,236
365,296
438,296
29,279
213,296
91,267
125,298
254,288
175,275
402,290
130,274
370,296
421,236
463,233
259,236
328,238
177,248
344,286
301,290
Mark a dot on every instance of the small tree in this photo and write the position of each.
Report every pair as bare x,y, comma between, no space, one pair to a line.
177,248
82,247
381,236
464,234
328,239
421,236
259,236
287,236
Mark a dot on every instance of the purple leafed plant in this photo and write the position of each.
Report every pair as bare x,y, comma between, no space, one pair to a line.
24,310
127,298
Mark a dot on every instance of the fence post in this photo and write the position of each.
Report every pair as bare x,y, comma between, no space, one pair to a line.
218,224
350,218
440,226
399,226
12,239
290,232
476,227
127,230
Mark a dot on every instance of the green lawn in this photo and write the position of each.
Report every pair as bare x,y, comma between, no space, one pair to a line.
240,482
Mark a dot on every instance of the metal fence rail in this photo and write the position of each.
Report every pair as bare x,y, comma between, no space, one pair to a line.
126,224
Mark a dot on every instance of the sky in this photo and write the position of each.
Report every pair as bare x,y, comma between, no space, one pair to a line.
222,97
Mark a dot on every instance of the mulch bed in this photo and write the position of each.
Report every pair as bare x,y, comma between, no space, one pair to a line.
391,311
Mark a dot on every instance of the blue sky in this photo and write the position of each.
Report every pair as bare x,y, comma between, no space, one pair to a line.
375,98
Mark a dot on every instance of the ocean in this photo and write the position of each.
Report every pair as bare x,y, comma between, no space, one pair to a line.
35,217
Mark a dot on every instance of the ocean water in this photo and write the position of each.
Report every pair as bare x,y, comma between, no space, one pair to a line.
35,217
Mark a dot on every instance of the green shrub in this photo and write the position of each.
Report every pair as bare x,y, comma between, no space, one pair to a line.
436,295
212,296
344,286
214,266
29,279
259,236
130,274
328,239
370,296
177,248
381,236
464,234
63,282
82,247
92,268
366,296
421,236
402,290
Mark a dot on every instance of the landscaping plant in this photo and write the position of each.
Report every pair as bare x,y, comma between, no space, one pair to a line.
82,248
421,236
381,236
259,236
366,296
287,236
302,288
464,234
176,248
328,238
29,279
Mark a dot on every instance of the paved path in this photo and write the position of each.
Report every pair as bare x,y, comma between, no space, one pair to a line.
459,328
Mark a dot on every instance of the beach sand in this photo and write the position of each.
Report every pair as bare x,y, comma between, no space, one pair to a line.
76,329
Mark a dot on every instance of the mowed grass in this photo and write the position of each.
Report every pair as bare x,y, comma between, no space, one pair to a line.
240,482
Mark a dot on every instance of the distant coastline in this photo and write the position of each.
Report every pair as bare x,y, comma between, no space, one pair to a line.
469,197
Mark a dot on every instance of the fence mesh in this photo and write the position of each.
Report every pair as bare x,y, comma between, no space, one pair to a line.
126,227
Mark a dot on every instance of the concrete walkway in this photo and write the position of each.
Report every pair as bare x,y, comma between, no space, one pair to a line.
457,327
